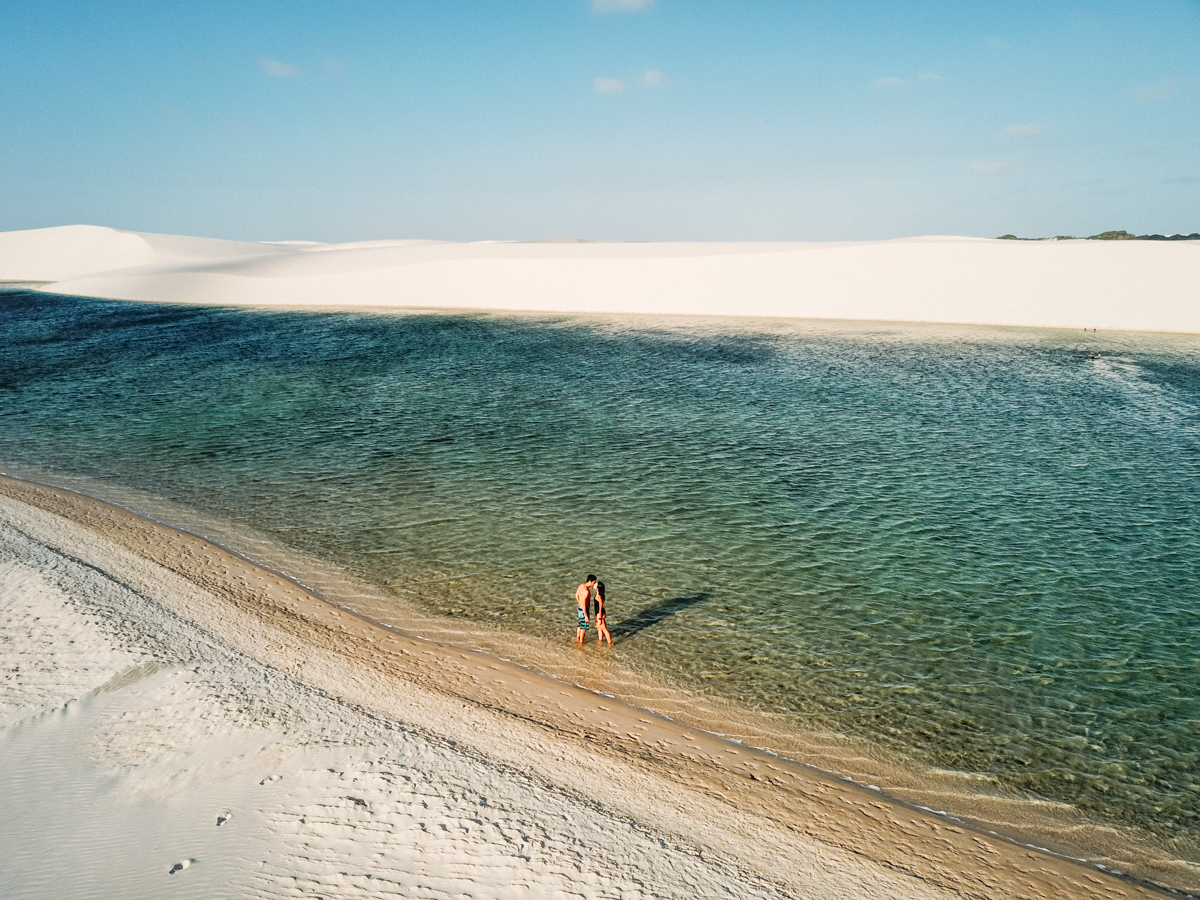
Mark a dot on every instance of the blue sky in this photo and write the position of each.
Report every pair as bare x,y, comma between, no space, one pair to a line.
606,119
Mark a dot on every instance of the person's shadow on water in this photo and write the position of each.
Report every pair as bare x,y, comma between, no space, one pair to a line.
635,625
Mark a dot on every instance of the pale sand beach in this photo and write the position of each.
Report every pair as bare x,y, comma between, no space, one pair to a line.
177,721
1122,285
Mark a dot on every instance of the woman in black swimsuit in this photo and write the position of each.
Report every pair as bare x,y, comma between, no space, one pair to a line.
602,633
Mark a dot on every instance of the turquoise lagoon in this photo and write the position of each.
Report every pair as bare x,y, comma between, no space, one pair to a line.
975,548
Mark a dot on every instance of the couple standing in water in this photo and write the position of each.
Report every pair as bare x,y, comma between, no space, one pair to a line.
592,590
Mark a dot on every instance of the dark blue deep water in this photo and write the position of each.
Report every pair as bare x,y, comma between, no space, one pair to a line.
977,547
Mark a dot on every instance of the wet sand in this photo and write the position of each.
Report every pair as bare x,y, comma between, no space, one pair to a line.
707,811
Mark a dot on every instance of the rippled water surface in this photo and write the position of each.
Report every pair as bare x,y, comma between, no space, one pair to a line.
977,546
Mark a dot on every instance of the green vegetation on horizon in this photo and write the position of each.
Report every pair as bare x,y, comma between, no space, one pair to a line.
1109,236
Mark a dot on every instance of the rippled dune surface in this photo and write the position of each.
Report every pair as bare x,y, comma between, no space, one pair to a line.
143,757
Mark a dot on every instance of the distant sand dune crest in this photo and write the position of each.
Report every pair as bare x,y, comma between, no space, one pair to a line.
1123,285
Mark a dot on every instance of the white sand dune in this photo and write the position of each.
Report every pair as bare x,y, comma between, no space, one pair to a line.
1124,285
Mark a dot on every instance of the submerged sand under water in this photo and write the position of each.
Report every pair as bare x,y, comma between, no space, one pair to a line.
180,722
968,548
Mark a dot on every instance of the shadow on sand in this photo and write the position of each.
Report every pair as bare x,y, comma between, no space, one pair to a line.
635,625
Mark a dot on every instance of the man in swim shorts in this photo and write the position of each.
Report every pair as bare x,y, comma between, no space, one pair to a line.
583,598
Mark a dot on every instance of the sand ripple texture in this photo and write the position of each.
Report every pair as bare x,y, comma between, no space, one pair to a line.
142,758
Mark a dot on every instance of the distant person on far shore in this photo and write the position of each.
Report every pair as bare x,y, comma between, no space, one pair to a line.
583,599
602,633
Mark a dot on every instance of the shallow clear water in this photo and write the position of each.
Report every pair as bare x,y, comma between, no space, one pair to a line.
976,546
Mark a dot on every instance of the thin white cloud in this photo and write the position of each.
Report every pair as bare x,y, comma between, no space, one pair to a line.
889,82
652,78
992,166
1021,131
928,76
605,6
620,6
1158,93
277,69
609,86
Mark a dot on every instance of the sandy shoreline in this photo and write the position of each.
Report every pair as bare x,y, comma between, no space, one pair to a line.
760,822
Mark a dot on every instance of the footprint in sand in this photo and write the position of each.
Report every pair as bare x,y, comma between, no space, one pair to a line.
270,778
180,866
223,818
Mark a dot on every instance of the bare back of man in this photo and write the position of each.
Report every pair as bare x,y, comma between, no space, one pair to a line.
583,596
